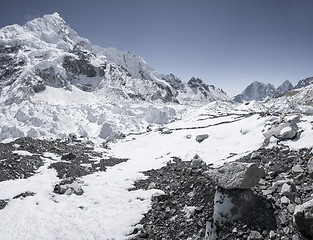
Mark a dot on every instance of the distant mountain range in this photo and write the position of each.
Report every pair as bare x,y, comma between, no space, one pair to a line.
259,91
47,52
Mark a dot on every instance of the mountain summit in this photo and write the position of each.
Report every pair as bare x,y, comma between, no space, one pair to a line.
47,52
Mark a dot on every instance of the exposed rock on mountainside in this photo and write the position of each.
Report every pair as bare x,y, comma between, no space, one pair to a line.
304,82
196,90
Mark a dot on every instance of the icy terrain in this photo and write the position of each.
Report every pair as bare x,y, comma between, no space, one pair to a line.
104,117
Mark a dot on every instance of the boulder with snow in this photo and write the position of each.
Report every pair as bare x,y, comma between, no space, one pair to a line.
286,131
236,175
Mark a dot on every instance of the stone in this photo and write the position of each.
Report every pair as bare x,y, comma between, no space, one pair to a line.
188,136
267,192
200,138
285,189
297,169
69,156
286,131
196,162
303,218
291,208
166,131
255,156
280,183
159,196
152,185
272,234
284,200
310,167
236,175
68,191
255,235
288,189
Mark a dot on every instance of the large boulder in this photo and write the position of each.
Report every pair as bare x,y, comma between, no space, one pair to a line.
303,218
236,175
284,129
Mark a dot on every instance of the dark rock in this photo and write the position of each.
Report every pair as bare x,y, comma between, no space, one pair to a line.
24,195
69,156
3,203
200,138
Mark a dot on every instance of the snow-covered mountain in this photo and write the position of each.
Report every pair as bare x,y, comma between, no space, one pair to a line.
256,91
54,82
47,52
259,91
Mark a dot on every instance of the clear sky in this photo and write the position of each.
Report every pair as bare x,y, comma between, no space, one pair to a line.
227,43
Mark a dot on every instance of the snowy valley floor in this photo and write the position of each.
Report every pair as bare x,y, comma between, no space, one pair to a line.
106,205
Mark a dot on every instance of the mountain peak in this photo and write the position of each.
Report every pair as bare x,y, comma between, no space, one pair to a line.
285,87
256,91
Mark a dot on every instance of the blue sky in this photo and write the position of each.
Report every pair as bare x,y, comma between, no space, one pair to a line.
226,43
